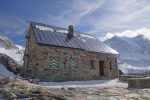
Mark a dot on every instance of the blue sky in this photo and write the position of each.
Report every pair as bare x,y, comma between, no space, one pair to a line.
97,17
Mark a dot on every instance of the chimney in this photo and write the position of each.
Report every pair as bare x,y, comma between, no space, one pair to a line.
70,32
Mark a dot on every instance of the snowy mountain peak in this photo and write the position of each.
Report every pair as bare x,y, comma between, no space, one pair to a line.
140,36
6,43
115,37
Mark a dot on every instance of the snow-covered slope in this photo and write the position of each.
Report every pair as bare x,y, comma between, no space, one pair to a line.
16,54
12,50
134,49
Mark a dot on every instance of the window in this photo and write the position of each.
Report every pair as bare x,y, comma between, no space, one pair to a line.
73,63
92,64
113,64
54,62
29,66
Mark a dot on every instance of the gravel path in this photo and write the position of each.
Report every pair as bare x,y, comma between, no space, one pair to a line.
99,90
21,89
110,93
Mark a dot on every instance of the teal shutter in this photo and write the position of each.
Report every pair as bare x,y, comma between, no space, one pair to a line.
73,63
113,65
54,62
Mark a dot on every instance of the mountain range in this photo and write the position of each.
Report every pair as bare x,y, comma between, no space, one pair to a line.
133,48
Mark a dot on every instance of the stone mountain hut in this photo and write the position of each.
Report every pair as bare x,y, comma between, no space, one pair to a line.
57,54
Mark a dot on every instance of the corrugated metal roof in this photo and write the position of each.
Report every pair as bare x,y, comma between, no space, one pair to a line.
57,36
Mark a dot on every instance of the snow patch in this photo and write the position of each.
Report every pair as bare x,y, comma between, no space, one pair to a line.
86,36
62,31
44,28
91,83
16,54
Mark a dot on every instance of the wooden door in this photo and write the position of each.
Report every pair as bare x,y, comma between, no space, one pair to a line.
101,68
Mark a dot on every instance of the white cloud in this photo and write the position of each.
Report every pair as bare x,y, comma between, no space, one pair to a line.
124,15
118,15
103,16
128,33
77,10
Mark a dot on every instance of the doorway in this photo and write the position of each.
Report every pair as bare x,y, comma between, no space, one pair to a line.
101,68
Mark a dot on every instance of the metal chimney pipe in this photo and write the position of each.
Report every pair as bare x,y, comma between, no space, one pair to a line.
70,32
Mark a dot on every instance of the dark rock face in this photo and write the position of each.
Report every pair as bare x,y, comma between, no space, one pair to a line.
4,80
10,63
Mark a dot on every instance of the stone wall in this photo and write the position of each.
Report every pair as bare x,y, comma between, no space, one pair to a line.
139,83
84,70
125,78
40,57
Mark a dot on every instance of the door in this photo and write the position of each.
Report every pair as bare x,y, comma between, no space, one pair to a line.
101,68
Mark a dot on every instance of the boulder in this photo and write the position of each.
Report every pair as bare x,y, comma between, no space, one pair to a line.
4,80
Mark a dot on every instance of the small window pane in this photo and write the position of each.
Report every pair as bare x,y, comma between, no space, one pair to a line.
92,64
73,63
54,62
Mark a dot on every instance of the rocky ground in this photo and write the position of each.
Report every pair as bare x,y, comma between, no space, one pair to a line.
13,89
